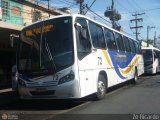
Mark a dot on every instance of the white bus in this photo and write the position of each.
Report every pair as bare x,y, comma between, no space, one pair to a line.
151,57
72,56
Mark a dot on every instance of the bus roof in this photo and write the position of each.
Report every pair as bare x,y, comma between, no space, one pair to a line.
82,16
150,48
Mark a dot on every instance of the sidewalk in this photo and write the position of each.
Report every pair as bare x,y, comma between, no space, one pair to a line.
7,96
6,90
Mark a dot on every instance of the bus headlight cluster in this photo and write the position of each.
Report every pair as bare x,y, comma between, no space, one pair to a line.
67,78
21,82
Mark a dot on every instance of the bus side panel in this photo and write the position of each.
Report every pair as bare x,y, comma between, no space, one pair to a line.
90,67
86,75
111,59
140,65
107,65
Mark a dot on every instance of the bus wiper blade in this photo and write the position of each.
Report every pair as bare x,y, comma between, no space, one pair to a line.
50,56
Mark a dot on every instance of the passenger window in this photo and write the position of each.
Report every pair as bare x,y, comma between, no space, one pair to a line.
109,36
83,44
137,48
132,46
97,35
127,45
119,40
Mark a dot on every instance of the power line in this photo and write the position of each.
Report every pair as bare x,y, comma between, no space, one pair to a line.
119,3
130,4
144,10
107,21
99,15
90,6
65,2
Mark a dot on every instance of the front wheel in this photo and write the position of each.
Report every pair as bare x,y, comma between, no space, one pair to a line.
101,88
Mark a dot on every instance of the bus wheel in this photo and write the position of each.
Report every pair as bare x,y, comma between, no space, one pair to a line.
101,88
135,77
156,70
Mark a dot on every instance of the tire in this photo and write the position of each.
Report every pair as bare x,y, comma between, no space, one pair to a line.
156,70
134,81
101,88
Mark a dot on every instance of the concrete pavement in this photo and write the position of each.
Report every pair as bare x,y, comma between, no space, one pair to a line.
7,96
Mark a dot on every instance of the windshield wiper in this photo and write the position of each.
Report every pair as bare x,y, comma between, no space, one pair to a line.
50,55
48,51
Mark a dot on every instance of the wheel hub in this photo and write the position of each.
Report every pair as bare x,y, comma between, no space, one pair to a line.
101,87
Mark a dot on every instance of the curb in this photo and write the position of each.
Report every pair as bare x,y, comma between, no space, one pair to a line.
7,96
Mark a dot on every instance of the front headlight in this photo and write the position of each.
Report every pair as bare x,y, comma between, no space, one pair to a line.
21,82
67,78
16,76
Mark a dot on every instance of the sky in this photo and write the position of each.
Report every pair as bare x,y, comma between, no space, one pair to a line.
126,8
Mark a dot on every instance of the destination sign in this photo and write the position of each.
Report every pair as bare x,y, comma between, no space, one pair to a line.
39,30
143,51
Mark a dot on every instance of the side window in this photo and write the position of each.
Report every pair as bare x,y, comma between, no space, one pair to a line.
119,40
97,35
137,48
132,45
83,44
126,42
156,54
109,36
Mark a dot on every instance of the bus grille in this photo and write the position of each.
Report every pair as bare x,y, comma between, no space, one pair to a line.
43,84
37,93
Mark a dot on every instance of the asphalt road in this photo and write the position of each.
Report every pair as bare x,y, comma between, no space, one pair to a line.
130,101
141,98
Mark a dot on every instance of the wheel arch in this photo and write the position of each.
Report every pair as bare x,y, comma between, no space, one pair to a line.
136,69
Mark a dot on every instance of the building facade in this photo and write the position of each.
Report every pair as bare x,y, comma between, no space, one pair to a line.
14,15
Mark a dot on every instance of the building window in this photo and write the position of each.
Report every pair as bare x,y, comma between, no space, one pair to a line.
5,8
36,16
16,10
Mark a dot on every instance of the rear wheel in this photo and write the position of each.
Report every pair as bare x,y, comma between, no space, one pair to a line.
101,88
156,70
134,81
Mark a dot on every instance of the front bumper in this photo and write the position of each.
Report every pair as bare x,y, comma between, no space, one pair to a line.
148,71
63,91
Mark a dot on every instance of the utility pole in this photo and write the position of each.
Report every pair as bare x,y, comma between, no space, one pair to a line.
81,6
154,43
136,20
148,29
113,15
48,7
113,19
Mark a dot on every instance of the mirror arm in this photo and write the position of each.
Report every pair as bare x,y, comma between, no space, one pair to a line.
12,39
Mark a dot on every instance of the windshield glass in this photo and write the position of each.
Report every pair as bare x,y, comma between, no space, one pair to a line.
147,56
46,47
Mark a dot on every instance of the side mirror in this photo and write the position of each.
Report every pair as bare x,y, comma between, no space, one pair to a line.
78,26
83,31
13,39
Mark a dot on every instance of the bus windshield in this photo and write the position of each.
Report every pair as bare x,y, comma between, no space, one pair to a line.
46,47
147,56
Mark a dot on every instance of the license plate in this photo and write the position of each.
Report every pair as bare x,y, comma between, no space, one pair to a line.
41,89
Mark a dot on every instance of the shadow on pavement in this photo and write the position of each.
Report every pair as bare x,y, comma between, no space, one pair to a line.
14,103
